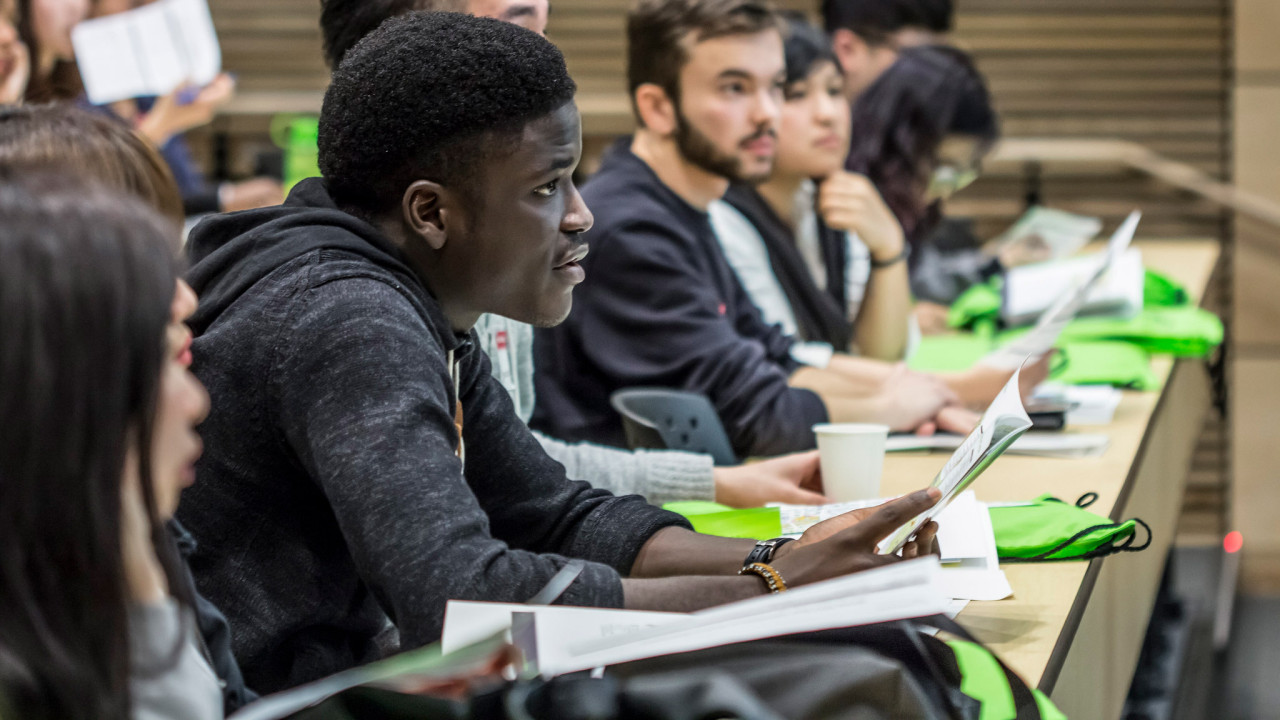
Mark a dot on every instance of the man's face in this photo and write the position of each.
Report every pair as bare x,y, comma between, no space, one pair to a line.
530,14
516,249
729,105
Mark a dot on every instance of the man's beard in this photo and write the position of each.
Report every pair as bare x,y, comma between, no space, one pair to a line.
698,149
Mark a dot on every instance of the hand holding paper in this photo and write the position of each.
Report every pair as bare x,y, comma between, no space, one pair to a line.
1001,424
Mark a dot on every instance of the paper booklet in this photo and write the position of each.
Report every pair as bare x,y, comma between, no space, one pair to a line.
1003,423
1064,233
147,52
1041,338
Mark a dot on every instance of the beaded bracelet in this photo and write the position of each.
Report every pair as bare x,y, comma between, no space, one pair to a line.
771,577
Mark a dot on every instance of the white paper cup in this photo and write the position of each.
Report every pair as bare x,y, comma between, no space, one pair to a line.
852,456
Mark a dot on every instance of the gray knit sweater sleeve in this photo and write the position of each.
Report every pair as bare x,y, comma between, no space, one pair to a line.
661,476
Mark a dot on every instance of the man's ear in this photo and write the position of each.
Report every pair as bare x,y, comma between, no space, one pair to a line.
424,214
657,111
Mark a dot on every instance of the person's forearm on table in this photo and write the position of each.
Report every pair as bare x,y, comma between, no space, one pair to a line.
681,571
881,328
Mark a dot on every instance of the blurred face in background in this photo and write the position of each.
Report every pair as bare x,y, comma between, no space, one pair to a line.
813,132
12,50
51,22
529,14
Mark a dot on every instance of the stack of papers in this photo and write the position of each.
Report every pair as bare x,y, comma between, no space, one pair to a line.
1087,404
1035,444
147,52
970,562
563,640
1053,294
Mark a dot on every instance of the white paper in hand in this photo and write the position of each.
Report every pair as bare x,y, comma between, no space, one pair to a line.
1003,422
1041,338
148,51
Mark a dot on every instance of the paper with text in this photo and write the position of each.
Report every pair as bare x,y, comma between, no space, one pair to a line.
149,51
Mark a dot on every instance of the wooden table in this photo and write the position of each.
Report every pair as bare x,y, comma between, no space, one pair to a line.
1076,629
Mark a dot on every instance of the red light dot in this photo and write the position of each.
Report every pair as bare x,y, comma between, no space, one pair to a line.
1233,542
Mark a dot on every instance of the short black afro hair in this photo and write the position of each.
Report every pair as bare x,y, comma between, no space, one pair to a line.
425,96
344,22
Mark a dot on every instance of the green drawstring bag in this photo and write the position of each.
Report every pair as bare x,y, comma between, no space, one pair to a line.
1050,529
979,306
1178,331
1162,291
711,518
1118,364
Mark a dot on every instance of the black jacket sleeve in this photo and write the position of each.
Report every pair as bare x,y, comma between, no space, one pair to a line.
655,316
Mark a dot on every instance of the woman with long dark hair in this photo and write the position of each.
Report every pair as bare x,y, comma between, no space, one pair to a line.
920,133
102,150
815,247
99,412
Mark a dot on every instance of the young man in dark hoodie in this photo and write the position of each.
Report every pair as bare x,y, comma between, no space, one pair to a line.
361,462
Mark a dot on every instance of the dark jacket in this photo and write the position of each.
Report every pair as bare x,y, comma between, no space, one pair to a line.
214,632
330,495
661,307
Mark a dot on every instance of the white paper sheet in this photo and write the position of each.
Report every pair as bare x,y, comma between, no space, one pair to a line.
469,622
1004,421
147,51
894,592
959,525
1086,404
1063,232
1033,443
1083,280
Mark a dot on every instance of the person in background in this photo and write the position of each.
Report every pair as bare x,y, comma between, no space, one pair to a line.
45,28
97,622
920,133
659,476
814,246
102,150
344,22
15,61
661,307
165,119
864,36
363,465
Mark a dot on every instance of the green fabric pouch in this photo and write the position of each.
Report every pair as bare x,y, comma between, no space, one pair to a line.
711,518
1177,331
979,306
1050,529
1114,363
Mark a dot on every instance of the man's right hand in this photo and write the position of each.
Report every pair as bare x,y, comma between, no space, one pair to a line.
847,543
